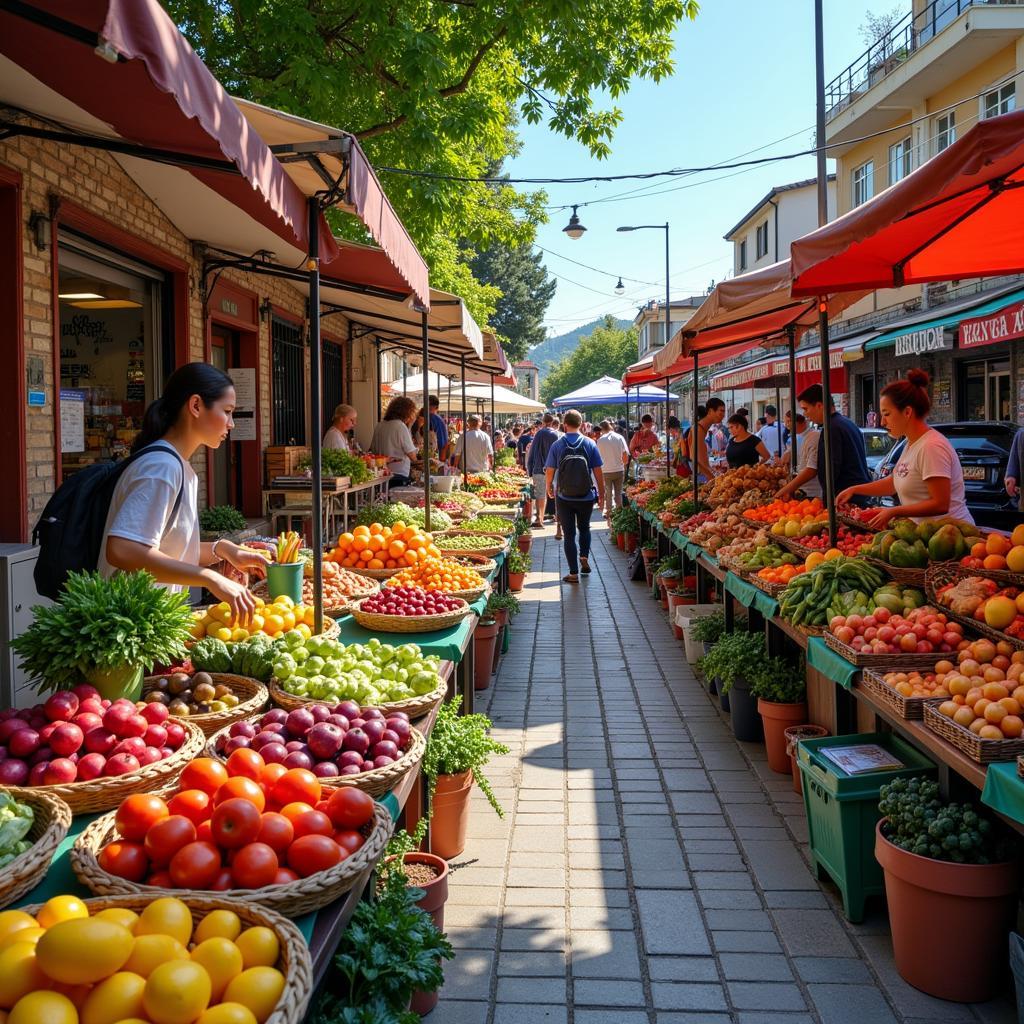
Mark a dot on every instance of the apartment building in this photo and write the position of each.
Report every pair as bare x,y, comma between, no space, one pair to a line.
650,321
527,379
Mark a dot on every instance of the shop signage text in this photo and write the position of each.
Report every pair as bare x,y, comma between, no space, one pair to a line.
931,339
1008,323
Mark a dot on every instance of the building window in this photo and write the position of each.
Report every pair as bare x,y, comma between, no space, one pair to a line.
901,160
743,254
1001,101
945,131
762,239
863,182
288,386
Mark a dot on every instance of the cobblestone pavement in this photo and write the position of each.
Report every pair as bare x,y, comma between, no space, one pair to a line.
649,869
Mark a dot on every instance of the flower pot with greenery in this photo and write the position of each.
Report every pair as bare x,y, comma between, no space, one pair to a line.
735,660
524,538
336,462
107,632
457,752
519,564
218,521
485,640
704,633
781,691
948,872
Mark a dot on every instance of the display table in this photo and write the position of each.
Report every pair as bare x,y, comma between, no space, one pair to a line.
750,596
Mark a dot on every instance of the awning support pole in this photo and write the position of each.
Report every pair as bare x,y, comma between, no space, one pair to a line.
791,342
465,468
426,425
313,210
668,439
694,458
494,418
778,418
874,386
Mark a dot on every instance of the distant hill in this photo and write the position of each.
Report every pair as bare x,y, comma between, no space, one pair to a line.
553,350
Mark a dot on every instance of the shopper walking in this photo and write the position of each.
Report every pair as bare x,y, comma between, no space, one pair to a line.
393,438
536,459
439,428
700,440
574,479
614,456
523,443
473,449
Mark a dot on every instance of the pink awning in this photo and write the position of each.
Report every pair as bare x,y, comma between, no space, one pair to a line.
158,94
645,371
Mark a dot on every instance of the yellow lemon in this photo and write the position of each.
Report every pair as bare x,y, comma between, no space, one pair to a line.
81,952
61,908
832,554
813,560
150,951
218,922
238,634
119,915
227,1013
19,973
222,961
166,916
32,935
259,947
220,633
113,999
176,993
258,988
284,601
12,921
43,1008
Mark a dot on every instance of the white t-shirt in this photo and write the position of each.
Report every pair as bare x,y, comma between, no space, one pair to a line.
612,447
807,458
392,437
771,435
141,507
931,455
334,438
477,446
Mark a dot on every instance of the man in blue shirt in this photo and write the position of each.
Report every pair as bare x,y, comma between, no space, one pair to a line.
536,458
849,458
574,479
438,426
523,442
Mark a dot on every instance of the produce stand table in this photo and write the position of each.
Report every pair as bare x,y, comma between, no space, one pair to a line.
360,493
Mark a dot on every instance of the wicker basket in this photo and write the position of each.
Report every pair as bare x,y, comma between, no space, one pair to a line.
291,899
335,611
409,623
771,589
911,577
507,532
252,692
977,749
375,782
856,524
414,707
103,794
489,544
942,573
794,546
49,827
1020,766
472,595
329,632
734,567
294,961
504,501
909,708
376,574
483,565
886,661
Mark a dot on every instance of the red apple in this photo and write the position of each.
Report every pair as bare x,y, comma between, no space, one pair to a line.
121,764
61,706
133,745
59,772
87,720
91,767
175,734
100,741
66,739
23,743
155,713
116,719
156,736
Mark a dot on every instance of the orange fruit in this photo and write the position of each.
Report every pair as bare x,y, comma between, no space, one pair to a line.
994,562
1017,537
1012,726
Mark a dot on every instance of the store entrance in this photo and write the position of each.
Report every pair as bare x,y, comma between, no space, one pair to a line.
226,465
985,394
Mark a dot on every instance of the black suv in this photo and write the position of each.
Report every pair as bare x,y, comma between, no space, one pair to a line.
984,451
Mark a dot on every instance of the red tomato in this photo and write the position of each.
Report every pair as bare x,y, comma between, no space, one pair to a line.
269,775
285,875
234,823
312,823
223,881
276,831
138,814
126,860
203,773
296,784
239,786
195,804
160,879
348,840
204,831
246,762
195,866
292,811
311,854
167,837
350,808
254,866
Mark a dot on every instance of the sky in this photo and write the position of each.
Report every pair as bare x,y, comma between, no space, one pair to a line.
744,82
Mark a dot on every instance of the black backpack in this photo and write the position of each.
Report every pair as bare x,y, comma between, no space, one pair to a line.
70,530
574,472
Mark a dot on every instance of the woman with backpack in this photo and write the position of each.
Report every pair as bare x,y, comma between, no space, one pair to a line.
575,481
153,521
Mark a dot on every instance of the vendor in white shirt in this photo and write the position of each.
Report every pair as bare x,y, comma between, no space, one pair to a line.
806,478
771,433
928,478
393,439
474,447
343,420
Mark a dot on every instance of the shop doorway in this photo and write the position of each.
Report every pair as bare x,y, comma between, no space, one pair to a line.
986,394
225,463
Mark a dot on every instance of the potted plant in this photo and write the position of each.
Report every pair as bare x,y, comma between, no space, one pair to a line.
220,521
524,538
947,872
519,564
107,632
502,607
457,751
485,641
736,660
630,526
794,734
781,691
649,552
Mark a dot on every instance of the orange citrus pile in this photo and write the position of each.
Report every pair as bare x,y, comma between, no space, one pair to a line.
442,574
383,547
780,573
809,509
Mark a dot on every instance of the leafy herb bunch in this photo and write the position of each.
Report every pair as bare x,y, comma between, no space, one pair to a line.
126,620
221,519
507,601
518,561
738,655
625,520
505,457
521,526
461,743
338,462
779,681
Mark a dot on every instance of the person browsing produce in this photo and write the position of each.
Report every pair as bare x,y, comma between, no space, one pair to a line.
153,522
849,459
708,417
645,438
392,438
928,479
343,420
806,478
745,449
474,447
536,458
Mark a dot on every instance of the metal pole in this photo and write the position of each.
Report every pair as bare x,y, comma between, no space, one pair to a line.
465,470
694,459
792,396
668,439
313,211
778,418
494,418
426,425
874,384
826,382
376,342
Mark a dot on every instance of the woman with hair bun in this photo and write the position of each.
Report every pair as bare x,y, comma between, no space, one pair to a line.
928,479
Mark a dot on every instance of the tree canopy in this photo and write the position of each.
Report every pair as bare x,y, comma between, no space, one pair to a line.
439,87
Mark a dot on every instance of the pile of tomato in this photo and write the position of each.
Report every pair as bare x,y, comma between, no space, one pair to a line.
245,824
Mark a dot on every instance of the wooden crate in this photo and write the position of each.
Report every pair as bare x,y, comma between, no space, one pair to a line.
283,460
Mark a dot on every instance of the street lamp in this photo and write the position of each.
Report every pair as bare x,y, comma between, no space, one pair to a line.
574,229
620,288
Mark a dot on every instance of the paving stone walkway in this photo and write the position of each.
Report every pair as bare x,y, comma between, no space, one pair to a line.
649,869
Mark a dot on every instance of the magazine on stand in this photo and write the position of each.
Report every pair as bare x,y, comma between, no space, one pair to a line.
862,758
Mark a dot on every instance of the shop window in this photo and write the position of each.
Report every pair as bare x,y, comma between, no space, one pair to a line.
288,385
332,368
901,160
863,182
945,131
112,361
1001,101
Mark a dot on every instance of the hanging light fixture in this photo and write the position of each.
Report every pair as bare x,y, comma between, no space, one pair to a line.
620,287
574,229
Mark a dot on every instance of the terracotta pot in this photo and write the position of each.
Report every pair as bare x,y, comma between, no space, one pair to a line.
648,555
501,616
515,581
528,507
450,819
485,639
674,600
620,541
776,718
794,734
632,539
975,903
525,543
663,591
435,895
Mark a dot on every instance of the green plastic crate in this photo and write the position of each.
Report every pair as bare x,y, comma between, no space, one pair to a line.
842,811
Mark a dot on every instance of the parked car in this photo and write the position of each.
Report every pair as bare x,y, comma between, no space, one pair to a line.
984,451
877,443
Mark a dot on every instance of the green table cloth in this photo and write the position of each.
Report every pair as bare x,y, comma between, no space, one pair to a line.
749,596
829,664
447,644
1004,790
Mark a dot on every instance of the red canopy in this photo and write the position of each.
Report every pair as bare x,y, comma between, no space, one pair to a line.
957,216
644,372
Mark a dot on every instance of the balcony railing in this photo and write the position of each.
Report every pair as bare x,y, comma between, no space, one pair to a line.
893,49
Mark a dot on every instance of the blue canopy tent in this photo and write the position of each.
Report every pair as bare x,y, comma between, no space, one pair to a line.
608,391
